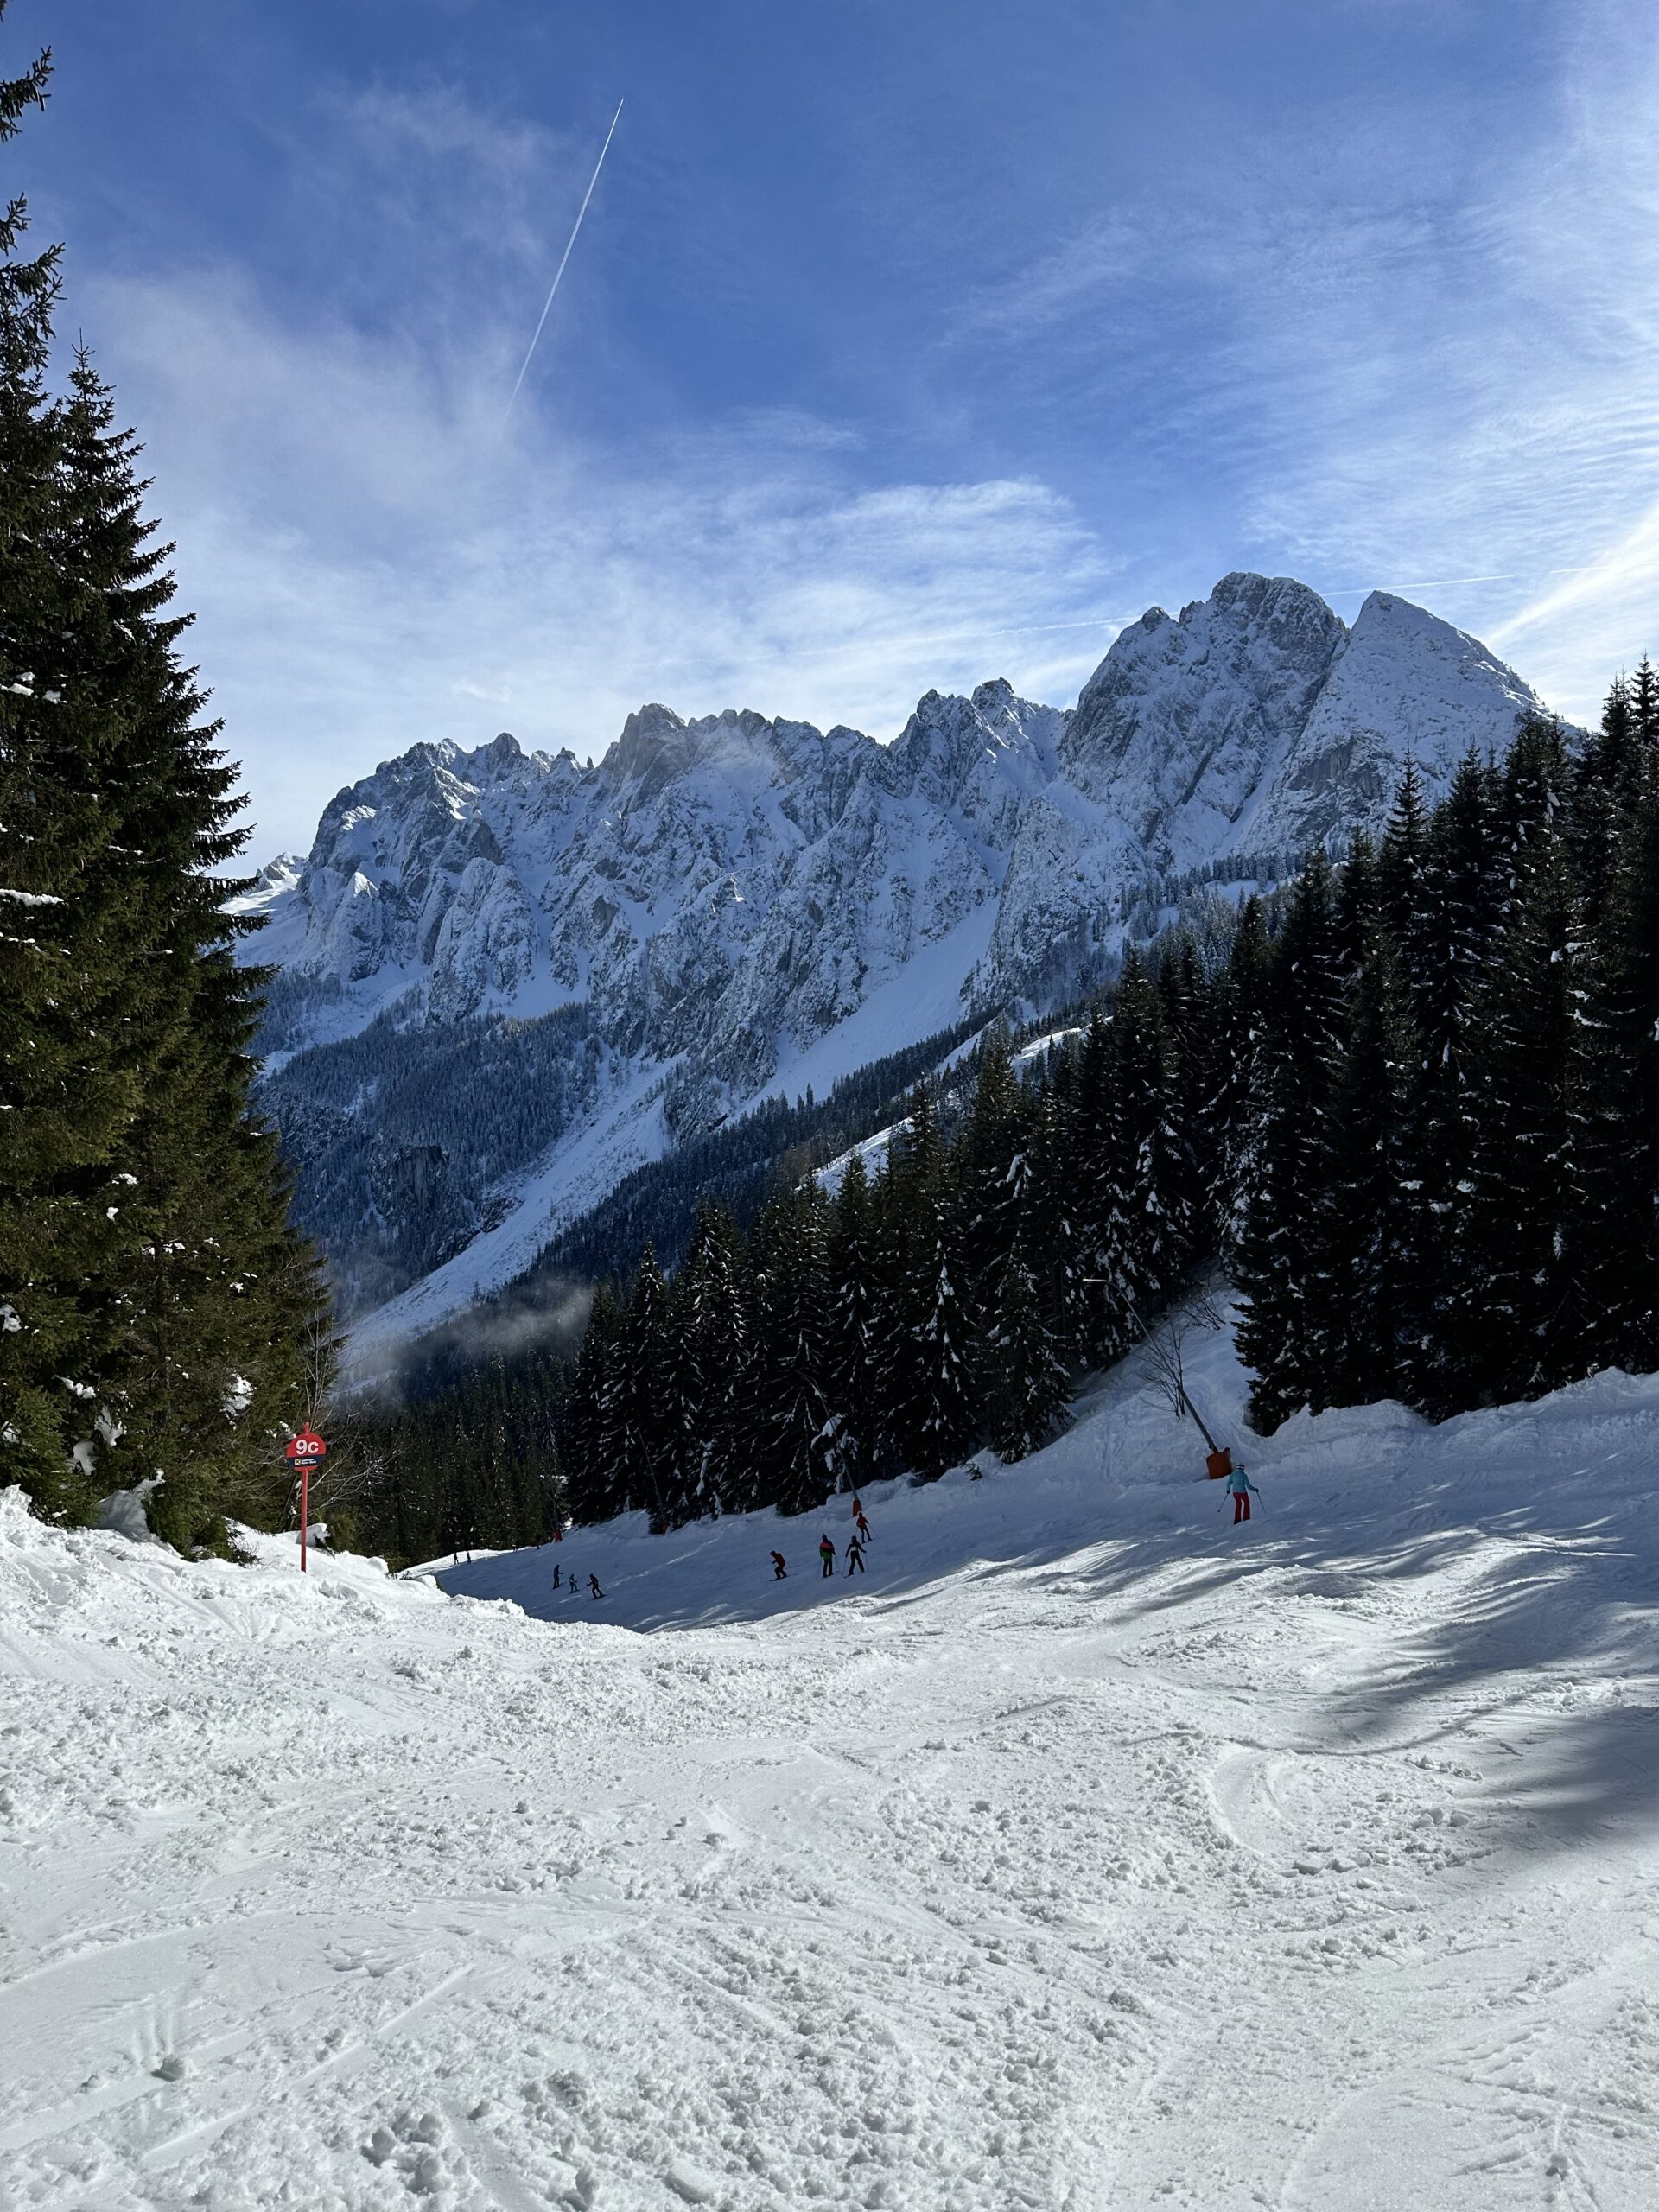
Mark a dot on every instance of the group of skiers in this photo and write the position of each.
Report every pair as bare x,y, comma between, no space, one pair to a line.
1239,1488
574,1582
854,1553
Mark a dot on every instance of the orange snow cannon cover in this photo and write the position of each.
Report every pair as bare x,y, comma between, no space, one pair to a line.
1218,1465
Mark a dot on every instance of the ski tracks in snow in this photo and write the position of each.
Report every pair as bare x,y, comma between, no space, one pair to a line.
1308,1876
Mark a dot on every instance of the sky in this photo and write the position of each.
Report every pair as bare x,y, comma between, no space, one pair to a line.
905,343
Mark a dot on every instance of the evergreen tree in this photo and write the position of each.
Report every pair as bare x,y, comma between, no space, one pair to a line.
1290,1167
1402,860
938,1397
593,1443
68,1078
643,1399
1027,1387
1445,957
990,1145
1645,705
1509,1285
709,1350
1242,1004
1357,1226
854,1360
798,1435
163,1298
1611,1234
1143,1238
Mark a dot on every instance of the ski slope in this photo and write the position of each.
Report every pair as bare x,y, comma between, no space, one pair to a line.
1091,1853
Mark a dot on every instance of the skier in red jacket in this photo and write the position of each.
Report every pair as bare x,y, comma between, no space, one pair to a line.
779,1572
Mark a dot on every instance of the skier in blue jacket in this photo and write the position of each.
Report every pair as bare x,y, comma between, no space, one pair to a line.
1241,1489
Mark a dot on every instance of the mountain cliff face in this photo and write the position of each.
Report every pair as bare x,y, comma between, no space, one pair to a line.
724,905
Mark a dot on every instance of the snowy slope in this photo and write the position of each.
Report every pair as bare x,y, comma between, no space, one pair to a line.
1091,1853
760,907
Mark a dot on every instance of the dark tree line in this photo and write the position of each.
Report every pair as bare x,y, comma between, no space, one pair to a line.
475,1465
158,1319
1453,1143
943,1302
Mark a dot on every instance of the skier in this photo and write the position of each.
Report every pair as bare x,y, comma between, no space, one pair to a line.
593,1585
1239,1489
559,1574
854,1556
861,1523
779,1572
827,1555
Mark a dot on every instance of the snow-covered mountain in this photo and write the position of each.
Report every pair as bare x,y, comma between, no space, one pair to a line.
725,906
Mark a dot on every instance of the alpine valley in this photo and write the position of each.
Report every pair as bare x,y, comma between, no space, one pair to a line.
504,982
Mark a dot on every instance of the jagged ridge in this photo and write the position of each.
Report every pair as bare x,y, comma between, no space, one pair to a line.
739,902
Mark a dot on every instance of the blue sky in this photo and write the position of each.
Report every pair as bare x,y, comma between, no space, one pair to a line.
907,342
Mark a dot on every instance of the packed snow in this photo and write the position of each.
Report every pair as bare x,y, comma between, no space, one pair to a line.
1089,1852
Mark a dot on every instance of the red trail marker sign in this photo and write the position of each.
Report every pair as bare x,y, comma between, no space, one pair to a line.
305,1451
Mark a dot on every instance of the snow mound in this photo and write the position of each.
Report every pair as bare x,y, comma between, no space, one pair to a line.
1089,1850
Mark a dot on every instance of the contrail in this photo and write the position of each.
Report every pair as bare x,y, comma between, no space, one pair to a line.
569,242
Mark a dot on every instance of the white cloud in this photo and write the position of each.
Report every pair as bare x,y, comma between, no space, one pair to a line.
1433,352
376,558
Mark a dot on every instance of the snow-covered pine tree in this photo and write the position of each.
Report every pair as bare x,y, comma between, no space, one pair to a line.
939,1400
709,1339
986,1203
1027,1386
1354,1229
909,1201
581,1427
151,1255
855,1354
1612,1224
1291,1151
1450,930
1509,1282
1401,860
1085,1182
213,1302
648,1449
69,1065
1643,693
1357,896
798,1433
1196,1049
1143,1238
1233,1110
1041,1177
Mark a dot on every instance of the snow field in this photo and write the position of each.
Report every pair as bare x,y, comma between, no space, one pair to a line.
1091,1853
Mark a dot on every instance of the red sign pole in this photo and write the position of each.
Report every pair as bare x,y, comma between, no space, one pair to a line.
303,1451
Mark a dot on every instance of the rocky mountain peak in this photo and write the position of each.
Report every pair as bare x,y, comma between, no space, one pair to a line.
728,903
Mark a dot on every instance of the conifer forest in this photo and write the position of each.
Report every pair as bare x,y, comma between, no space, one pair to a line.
1409,1109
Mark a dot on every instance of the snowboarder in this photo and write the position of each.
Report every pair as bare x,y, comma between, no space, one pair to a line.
779,1572
861,1523
854,1556
593,1585
1239,1489
559,1574
827,1555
